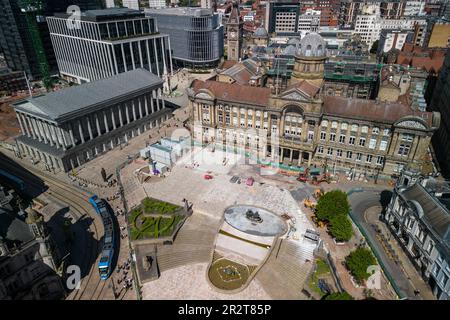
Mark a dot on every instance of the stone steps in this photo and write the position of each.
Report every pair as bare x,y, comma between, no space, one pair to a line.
171,261
283,277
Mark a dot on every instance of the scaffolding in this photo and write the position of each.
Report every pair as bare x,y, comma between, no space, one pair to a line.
33,11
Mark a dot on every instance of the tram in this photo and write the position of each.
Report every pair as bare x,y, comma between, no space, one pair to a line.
105,263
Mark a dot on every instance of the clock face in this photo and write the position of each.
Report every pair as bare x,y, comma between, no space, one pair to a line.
233,35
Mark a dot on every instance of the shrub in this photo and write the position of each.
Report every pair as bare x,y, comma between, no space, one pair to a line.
357,263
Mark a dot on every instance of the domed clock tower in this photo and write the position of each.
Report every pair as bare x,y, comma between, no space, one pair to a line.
234,34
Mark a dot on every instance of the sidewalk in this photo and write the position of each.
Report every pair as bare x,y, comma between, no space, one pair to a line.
405,263
339,253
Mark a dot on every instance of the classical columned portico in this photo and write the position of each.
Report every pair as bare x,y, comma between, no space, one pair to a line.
64,138
105,120
97,123
91,136
80,128
127,113
42,130
113,118
22,128
47,130
30,125
72,138
152,103
54,136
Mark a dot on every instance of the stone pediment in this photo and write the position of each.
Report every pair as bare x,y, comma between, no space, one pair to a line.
203,95
413,124
295,95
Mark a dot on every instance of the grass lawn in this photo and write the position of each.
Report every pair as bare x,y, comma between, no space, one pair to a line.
158,207
154,227
322,269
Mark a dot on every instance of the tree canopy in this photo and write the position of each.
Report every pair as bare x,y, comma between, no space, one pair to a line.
339,296
358,261
341,228
331,204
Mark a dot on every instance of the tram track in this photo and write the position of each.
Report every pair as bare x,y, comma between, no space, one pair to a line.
79,207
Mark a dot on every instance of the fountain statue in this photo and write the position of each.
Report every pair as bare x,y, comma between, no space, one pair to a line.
253,216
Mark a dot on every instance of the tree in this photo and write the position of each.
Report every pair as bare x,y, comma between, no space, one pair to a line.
331,204
374,48
339,296
341,228
357,263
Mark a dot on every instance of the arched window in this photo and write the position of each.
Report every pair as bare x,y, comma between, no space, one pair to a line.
308,50
319,50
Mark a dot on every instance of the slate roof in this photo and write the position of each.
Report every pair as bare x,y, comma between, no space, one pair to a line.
71,101
13,230
435,215
371,109
234,92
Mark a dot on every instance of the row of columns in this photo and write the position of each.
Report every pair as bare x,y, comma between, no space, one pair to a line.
50,133
300,155
43,130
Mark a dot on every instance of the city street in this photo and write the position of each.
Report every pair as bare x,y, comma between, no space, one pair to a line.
366,208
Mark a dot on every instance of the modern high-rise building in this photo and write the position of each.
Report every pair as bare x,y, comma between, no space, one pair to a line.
157,3
196,35
282,17
131,4
108,42
24,35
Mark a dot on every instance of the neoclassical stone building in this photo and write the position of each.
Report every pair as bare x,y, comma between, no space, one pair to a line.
300,127
419,217
67,128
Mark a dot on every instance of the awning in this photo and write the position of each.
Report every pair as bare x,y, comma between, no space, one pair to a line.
314,171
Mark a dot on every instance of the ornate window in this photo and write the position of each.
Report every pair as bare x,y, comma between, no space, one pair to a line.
403,150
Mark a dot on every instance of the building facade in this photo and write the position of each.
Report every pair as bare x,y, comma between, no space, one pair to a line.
282,17
308,21
108,42
393,39
419,217
67,128
440,102
29,259
351,79
131,4
301,127
196,35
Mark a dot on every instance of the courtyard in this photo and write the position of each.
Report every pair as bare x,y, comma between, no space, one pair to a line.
210,198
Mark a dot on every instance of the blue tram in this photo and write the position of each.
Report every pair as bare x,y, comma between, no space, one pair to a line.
13,179
105,263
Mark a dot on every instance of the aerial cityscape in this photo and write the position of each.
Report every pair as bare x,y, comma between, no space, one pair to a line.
225,150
